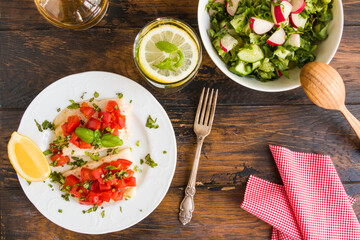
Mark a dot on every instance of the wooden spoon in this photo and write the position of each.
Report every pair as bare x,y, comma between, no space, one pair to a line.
325,87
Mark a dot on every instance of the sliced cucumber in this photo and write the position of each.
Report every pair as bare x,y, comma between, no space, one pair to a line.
239,21
252,53
255,65
218,48
242,68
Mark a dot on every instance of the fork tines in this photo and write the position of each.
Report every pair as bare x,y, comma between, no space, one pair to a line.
206,107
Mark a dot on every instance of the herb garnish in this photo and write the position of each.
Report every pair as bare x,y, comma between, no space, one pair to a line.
38,125
57,177
137,169
138,143
60,210
141,161
103,214
28,182
92,209
48,125
58,110
93,156
120,209
47,152
164,152
54,163
150,123
50,185
168,63
150,161
82,96
96,107
91,99
130,101
77,163
73,105
120,95
96,94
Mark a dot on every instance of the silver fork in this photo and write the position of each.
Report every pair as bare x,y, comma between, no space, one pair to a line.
202,127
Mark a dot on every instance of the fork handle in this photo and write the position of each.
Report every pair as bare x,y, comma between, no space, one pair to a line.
187,205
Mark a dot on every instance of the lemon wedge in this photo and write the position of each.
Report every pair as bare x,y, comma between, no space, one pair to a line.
27,158
150,56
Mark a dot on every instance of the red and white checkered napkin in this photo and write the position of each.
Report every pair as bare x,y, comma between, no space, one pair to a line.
312,204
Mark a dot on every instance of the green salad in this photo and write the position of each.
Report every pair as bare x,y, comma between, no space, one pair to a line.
266,38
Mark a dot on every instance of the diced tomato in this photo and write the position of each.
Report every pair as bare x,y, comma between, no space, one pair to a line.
84,104
64,128
71,180
130,173
104,187
104,126
61,160
110,107
105,196
103,167
115,128
111,182
117,195
93,124
125,164
87,111
83,191
84,145
120,119
75,139
74,191
105,117
92,198
97,173
54,149
95,187
72,123
86,175
130,182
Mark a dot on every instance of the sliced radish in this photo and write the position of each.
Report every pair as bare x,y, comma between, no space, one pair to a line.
277,38
297,21
228,42
273,15
298,6
212,11
260,26
294,40
232,9
281,12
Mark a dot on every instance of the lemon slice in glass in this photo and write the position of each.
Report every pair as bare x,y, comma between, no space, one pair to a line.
150,56
27,158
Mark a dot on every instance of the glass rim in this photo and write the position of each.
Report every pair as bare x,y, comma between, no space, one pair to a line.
192,33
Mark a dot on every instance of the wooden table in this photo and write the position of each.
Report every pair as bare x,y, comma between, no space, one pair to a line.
33,54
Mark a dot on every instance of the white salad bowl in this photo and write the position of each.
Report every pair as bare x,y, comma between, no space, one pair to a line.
324,52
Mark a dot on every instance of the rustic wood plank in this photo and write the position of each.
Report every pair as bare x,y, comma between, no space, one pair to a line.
32,60
22,14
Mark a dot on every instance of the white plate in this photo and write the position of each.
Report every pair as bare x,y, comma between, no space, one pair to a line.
324,52
152,183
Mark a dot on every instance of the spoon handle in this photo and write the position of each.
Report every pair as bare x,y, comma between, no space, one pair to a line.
354,123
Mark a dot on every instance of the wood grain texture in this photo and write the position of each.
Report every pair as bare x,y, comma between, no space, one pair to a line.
22,14
32,60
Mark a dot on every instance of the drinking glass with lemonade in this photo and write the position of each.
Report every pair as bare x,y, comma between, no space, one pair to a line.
167,53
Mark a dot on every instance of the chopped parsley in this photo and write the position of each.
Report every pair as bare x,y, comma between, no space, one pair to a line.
120,95
47,152
130,101
130,149
48,125
164,152
78,162
58,110
96,107
141,161
73,105
50,185
140,210
138,143
66,196
82,96
103,214
54,163
57,177
60,210
96,94
93,156
116,107
28,182
150,123
38,125
150,161
91,99
137,169
115,151
120,209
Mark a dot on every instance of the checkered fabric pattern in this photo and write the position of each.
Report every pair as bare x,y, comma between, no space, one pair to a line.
312,204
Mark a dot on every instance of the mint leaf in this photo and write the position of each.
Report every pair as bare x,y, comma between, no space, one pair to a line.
181,60
166,46
165,64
